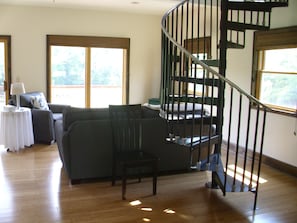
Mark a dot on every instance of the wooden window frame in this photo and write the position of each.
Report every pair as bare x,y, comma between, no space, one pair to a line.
280,38
89,42
7,42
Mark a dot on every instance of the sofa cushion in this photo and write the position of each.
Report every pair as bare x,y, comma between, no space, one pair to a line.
39,102
71,115
57,116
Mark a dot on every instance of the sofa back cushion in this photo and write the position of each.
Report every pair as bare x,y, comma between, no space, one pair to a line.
71,115
149,113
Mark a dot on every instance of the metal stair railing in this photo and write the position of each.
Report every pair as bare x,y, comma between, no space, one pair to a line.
243,15
222,125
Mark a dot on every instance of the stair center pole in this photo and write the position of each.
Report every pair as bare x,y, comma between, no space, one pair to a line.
221,87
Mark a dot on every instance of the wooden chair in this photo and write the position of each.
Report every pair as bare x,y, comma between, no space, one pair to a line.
127,145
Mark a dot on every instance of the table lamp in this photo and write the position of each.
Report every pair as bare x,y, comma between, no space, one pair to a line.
17,89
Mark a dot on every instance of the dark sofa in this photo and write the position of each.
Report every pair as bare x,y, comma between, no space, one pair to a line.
85,143
42,119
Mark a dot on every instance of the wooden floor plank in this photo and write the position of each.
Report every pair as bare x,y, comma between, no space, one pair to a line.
35,188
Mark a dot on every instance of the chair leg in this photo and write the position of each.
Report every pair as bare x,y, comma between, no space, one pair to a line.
155,185
155,172
139,175
113,179
124,182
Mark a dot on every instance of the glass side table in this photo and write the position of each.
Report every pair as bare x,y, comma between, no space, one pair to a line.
16,131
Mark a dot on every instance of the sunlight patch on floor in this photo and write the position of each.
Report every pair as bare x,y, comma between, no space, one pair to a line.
146,209
135,203
244,176
149,209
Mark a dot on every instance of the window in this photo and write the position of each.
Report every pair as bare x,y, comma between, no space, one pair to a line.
5,76
274,80
88,71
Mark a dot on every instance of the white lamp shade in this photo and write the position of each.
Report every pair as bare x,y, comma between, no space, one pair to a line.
17,88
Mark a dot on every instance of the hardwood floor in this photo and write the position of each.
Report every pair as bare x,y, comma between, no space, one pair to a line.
35,188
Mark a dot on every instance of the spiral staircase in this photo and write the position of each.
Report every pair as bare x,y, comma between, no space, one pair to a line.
219,123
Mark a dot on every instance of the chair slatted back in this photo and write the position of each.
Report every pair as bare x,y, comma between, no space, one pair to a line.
127,128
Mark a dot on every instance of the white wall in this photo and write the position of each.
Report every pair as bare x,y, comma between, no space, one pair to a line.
280,142
28,27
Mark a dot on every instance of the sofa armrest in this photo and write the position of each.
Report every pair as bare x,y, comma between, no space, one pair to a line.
59,136
57,108
43,126
87,149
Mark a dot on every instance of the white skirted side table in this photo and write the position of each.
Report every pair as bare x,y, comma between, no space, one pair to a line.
16,131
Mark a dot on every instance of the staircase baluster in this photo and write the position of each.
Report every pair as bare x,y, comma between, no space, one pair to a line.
230,31
229,137
217,30
244,16
258,15
211,18
237,33
264,19
204,23
179,89
246,146
260,157
237,142
192,75
171,71
255,146
211,119
269,19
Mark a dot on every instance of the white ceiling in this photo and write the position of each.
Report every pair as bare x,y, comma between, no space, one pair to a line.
137,6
